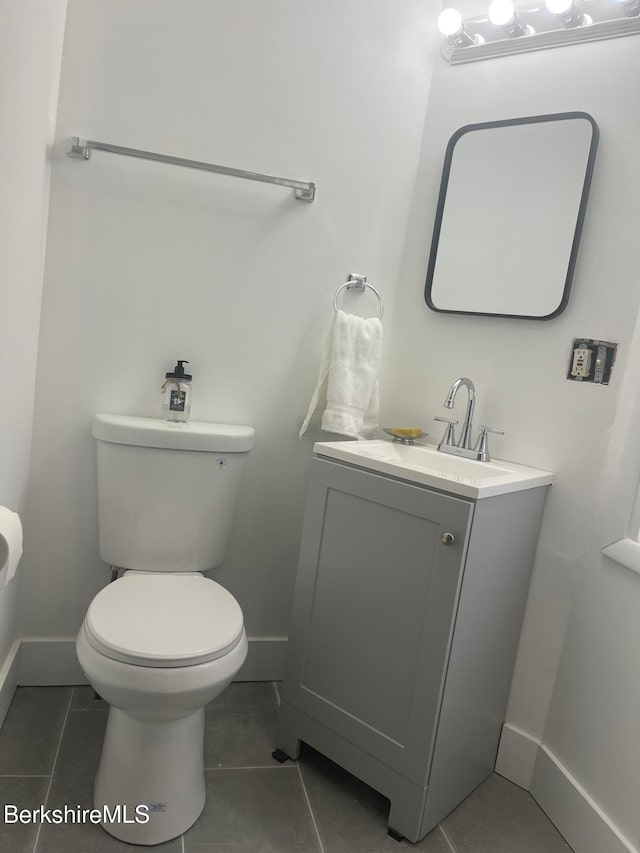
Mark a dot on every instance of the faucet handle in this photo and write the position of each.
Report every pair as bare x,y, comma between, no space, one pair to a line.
482,447
449,437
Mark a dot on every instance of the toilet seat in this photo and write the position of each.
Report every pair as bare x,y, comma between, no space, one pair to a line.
164,620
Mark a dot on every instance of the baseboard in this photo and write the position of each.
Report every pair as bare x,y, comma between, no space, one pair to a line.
527,762
9,679
578,817
46,661
517,755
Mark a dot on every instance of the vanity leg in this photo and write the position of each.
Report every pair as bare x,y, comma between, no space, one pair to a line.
287,742
280,756
406,809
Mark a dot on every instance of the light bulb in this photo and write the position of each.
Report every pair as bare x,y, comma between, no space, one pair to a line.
450,23
569,13
502,13
631,8
559,7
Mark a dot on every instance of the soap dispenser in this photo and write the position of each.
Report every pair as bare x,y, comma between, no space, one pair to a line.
176,394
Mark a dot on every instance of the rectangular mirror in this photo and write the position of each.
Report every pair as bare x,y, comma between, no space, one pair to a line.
510,212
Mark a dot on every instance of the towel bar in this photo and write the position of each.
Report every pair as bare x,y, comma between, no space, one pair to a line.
81,150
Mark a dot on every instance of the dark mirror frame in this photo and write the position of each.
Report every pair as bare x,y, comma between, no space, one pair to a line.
579,222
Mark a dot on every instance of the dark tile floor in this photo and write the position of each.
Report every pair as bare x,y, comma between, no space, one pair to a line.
50,747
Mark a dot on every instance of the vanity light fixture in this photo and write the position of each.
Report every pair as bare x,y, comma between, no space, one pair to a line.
568,12
452,27
535,26
502,13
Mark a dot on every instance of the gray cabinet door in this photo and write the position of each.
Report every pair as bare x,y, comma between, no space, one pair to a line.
374,610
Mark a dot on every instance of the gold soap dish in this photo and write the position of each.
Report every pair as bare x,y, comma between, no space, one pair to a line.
405,435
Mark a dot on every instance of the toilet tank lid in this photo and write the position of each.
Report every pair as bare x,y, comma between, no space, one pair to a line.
154,432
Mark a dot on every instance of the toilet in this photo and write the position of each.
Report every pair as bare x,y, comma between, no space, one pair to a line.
162,641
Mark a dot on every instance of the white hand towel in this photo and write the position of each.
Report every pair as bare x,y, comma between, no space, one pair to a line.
351,369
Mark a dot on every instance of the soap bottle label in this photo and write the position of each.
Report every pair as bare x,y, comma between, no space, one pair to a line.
177,401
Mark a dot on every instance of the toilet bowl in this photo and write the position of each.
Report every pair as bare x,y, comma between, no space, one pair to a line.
157,648
162,641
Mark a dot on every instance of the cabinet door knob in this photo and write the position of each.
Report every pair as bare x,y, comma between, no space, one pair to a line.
447,538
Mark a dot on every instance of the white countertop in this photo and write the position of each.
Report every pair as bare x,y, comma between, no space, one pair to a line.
424,465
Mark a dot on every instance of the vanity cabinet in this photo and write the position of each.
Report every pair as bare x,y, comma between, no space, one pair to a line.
405,625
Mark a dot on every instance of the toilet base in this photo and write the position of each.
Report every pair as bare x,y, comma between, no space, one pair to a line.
155,767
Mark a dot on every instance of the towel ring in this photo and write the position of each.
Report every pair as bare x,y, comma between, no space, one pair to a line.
358,282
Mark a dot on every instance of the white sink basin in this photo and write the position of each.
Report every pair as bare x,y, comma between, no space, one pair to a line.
423,464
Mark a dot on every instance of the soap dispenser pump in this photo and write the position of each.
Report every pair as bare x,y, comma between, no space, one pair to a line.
176,394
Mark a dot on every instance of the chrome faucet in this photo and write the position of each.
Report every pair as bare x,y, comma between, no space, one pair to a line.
464,446
467,426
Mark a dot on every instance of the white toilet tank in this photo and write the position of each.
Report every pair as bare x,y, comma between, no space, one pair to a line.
167,492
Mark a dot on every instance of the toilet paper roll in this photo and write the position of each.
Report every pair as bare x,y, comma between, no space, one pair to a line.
10,544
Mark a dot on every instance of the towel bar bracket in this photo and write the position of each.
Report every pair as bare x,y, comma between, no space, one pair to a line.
356,282
76,150
305,194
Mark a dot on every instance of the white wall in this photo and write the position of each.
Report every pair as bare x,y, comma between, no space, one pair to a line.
576,684
149,263
31,33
